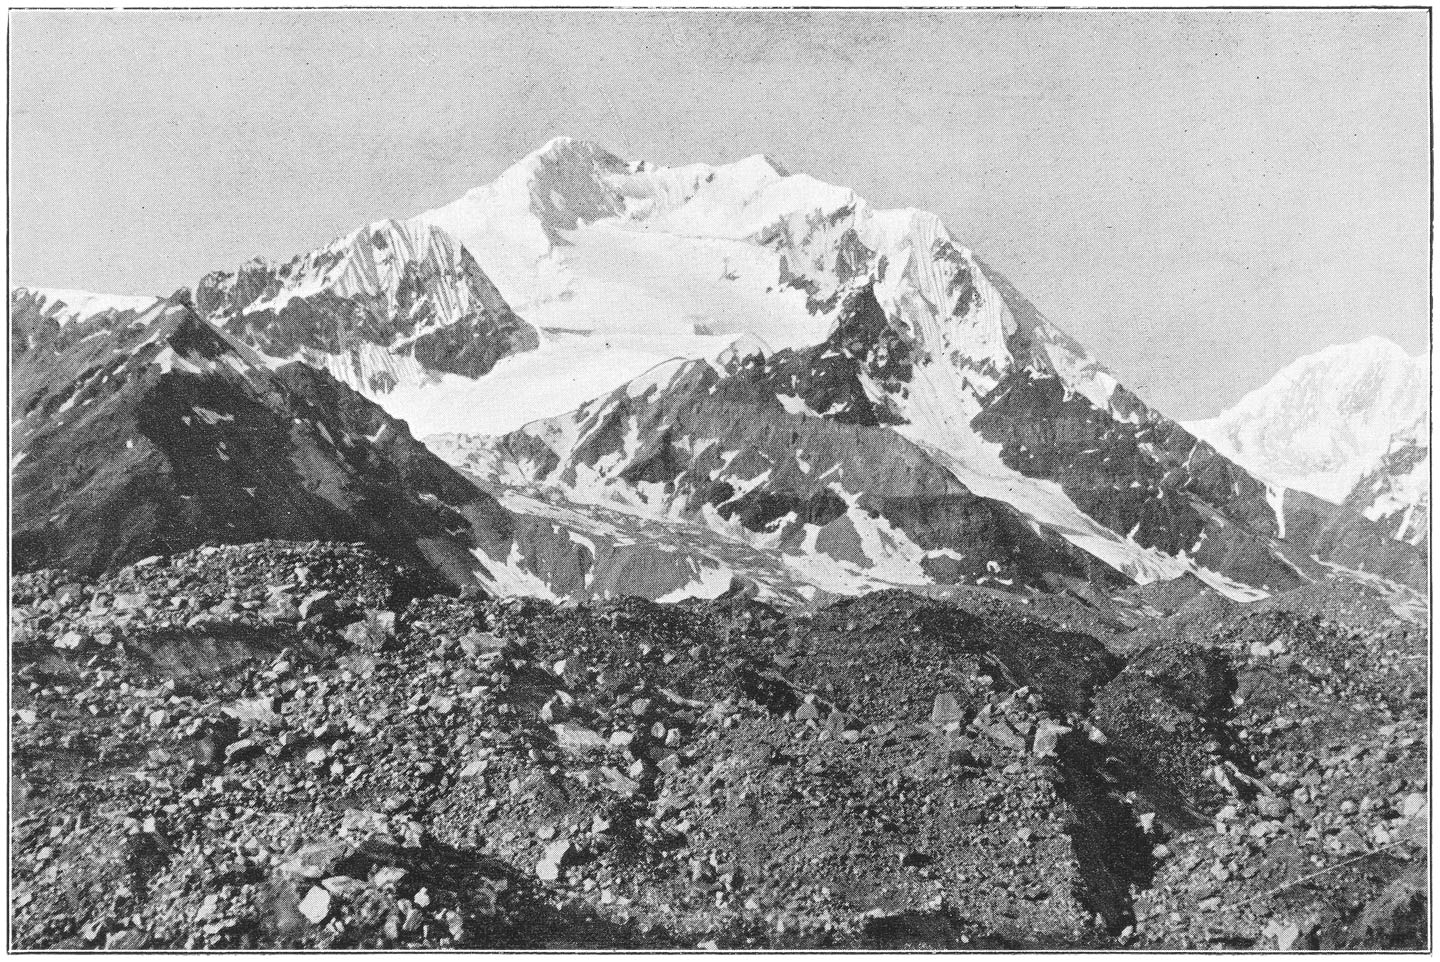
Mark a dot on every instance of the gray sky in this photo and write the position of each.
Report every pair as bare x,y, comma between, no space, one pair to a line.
1198,196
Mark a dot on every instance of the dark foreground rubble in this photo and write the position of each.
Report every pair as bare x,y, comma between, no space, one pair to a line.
296,745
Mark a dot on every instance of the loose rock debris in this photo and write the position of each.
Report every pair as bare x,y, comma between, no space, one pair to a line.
288,745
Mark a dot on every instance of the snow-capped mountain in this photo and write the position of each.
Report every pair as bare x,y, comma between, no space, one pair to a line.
844,502
1326,419
847,502
735,376
626,265
395,310
143,429
875,321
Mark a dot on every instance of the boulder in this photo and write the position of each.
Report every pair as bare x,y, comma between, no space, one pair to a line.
315,906
577,738
374,632
318,604
1047,737
946,710
557,855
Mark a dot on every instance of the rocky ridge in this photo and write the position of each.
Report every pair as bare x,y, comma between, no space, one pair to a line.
147,432
392,304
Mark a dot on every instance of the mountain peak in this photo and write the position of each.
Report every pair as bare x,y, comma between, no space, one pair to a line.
1375,342
1325,418
770,162
559,146
569,153
388,305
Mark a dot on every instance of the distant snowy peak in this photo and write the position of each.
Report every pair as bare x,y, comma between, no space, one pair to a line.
392,304
1325,420
68,307
656,262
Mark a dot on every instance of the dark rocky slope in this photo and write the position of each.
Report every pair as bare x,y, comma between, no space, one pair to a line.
149,433
289,745
1149,476
711,445
696,442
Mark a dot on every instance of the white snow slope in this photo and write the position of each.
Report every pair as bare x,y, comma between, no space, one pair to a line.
623,266
1326,419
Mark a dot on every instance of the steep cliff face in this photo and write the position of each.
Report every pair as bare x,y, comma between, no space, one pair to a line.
391,305
149,431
